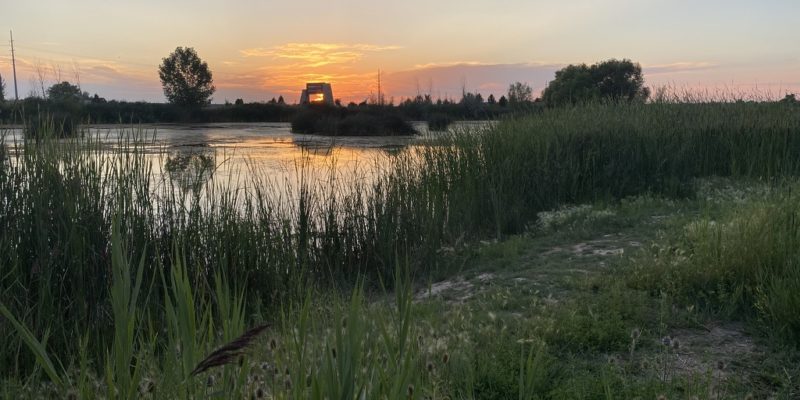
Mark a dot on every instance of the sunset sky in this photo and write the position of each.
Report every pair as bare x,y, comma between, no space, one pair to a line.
261,49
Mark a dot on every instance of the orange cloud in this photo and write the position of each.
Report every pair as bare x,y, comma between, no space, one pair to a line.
318,54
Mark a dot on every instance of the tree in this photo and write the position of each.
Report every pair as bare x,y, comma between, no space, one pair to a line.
503,101
612,79
239,102
64,91
280,100
186,78
519,93
2,89
491,99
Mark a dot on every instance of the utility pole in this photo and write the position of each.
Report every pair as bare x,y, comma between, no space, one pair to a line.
14,66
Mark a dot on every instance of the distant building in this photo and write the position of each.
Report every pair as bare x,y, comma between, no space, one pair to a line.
317,93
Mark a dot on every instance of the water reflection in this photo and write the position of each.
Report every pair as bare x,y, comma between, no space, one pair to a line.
236,156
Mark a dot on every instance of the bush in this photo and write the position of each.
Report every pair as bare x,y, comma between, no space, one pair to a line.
439,122
343,122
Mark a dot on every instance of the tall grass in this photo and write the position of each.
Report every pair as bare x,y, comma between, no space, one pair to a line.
59,200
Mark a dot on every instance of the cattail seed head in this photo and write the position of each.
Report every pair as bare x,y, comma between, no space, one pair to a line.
273,344
410,390
429,366
288,383
259,394
146,386
635,333
445,358
333,352
210,381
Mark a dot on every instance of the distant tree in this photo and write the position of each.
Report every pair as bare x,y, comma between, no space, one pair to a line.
239,102
186,78
273,101
280,100
519,93
64,91
503,101
790,98
338,102
491,99
2,89
611,79
97,99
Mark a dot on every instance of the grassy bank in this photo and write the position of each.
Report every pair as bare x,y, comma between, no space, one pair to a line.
85,227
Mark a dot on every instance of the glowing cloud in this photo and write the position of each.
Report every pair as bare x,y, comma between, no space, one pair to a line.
318,54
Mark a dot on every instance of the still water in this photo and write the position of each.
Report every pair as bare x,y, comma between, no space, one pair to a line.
243,155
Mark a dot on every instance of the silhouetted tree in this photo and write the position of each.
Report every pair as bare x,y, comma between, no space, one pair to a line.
519,93
491,100
64,91
280,100
612,79
503,101
239,102
186,78
790,98
273,101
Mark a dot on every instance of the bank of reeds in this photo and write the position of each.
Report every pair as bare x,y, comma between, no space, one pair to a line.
63,199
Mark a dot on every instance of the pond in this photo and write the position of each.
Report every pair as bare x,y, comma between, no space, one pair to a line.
239,155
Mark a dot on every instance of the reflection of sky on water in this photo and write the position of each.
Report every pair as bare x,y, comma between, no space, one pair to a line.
261,153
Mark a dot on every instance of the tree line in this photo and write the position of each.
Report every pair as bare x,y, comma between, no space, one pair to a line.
188,86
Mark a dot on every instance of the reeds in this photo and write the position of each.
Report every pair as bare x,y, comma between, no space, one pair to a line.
61,202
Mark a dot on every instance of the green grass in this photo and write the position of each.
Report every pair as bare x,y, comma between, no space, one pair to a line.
115,281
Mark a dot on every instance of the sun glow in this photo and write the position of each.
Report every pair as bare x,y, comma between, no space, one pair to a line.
316,98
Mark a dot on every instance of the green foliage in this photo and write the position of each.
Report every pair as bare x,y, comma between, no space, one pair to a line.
615,80
745,264
519,93
186,78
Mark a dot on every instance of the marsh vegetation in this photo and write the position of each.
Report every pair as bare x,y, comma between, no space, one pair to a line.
588,251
